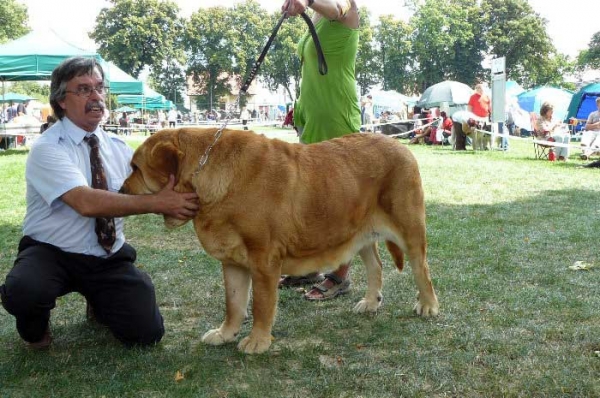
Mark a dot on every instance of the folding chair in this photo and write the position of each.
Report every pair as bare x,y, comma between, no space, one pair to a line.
542,151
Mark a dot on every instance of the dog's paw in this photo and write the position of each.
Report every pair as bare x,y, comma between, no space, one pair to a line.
215,337
252,345
365,305
426,309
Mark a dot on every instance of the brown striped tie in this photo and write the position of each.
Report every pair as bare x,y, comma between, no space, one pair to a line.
105,227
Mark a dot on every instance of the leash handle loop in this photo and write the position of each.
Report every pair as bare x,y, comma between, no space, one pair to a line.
321,57
311,28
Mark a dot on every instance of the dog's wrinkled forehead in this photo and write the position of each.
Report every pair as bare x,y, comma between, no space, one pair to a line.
158,155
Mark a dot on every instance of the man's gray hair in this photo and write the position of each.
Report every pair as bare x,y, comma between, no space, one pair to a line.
63,73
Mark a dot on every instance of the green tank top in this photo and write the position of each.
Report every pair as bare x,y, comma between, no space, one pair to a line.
328,104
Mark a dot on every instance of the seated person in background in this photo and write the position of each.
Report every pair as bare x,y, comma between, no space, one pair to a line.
421,133
590,139
446,125
443,130
389,117
386,120
415,115
554,130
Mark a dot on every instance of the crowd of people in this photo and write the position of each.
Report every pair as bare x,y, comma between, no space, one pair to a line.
473,127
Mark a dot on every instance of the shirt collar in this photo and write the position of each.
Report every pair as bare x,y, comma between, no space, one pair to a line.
77,134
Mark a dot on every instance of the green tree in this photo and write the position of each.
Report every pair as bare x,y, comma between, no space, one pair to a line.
446,42
210,54
135,34
282,66
394,55
250,34
554,73
514,31
41,92
13,20
367,71
590,58
169,80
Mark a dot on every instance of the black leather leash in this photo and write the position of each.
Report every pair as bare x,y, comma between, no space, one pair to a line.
254,71
313,33
261,58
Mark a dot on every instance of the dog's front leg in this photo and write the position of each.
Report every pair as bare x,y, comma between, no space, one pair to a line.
237,289
264,306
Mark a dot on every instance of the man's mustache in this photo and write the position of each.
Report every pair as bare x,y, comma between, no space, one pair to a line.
93,105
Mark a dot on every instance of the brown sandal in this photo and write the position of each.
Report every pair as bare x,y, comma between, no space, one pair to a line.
340,286
295,281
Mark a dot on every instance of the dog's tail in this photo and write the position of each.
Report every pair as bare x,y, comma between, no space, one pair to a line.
397,254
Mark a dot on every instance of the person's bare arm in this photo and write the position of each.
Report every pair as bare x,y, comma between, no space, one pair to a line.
344,11
591,126
90,202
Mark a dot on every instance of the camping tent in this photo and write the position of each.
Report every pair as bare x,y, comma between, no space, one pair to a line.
35,55
532,100
584,102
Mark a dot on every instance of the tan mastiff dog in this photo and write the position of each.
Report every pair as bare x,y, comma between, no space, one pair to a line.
270,208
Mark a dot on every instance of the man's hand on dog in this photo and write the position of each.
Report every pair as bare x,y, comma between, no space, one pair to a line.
182,206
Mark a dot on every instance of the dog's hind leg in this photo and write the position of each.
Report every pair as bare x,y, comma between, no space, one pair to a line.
416,249
373,297
237,290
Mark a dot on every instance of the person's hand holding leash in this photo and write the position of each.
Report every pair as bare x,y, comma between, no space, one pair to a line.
296,7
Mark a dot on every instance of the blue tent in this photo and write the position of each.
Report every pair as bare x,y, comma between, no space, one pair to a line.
584,102
532,100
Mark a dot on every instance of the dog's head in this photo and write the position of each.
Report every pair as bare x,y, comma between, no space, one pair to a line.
152,164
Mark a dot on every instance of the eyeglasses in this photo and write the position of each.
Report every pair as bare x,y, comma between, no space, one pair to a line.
86,91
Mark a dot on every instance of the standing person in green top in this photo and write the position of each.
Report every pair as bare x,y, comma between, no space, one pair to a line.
328,104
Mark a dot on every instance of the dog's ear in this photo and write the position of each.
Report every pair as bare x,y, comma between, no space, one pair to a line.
165,157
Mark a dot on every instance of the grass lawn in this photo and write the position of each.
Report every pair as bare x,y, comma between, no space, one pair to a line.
515,320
